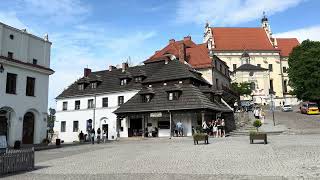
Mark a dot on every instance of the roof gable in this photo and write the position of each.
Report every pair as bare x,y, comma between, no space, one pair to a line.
286,45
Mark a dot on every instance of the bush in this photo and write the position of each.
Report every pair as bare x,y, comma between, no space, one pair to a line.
257,124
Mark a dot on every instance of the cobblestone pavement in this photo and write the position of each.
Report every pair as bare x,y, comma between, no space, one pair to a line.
285,157
296,122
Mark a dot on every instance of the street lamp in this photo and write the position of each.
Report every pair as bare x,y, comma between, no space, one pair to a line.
1,68
271,93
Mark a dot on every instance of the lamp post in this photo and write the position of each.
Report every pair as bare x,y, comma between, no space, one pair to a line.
271,93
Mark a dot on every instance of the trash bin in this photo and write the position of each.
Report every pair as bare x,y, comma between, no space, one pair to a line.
17,145
58,142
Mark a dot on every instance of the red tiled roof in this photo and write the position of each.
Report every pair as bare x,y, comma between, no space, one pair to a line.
286,45
241,38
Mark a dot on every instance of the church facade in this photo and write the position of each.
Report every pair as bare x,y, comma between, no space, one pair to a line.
256,46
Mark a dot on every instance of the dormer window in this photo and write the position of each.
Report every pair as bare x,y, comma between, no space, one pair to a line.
138,79
174,95
123,82
80,87
93,85
146,98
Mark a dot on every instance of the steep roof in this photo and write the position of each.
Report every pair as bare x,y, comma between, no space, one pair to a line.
250,67
286,45
239,38
110,81
191,98
175,70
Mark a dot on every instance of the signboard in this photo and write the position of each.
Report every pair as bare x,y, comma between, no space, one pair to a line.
3,142
89,124
156,114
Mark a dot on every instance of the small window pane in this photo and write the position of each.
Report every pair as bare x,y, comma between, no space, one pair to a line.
120,100
77,105
105,102
64,106
63,126
34,61
90,103
75,126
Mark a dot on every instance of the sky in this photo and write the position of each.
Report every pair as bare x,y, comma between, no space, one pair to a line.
99,33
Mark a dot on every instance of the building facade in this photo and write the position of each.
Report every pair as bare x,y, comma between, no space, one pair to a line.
229,44
24,81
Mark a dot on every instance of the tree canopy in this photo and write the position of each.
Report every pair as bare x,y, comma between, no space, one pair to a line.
243,89
304,71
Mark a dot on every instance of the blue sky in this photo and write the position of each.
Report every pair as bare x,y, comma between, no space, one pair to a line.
97,33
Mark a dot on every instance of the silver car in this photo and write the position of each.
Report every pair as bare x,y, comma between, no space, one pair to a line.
286,108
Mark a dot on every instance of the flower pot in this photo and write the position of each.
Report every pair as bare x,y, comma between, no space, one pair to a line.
258,136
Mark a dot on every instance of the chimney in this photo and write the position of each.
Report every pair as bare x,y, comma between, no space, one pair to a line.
112,68
86,72
171,41
187,38
124,66
182,53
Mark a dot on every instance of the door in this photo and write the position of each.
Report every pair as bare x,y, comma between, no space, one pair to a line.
28,128
3,124
105,129
135,127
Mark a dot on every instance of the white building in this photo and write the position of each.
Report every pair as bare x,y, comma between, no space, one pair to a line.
90,102
24,81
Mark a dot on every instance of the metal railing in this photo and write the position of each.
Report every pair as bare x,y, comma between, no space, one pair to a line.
14,160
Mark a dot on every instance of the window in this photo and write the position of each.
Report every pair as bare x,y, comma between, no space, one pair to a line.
34,61
146,98
259,65
105,102
217,84
271,85
284,69
285,84
90,104
120,100
75,126
65,106
252,85
10,55
77,105
63,126
270,67
234,67
123,82
93,85
221,68
11,36
173,95
137,79
81,87
11,83
30,86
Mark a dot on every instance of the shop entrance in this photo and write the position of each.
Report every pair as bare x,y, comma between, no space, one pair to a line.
3,124
28,128
105,129
135,127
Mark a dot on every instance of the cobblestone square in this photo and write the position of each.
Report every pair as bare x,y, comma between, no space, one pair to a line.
284,157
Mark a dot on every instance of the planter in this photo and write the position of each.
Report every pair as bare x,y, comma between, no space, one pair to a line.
258,136
200,137
17,145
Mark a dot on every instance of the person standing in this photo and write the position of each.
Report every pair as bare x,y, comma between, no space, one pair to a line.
214,128
256,113
205,127
219,127
223,129
92,134
104,136
98,135
179,126
81,137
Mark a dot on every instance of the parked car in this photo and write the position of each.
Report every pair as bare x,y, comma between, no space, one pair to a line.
286,108
309,108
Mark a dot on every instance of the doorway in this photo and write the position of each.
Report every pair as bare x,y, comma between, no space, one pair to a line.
3,124
105,129
28,128
135,127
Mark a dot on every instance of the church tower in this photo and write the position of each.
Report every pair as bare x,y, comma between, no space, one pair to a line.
265,25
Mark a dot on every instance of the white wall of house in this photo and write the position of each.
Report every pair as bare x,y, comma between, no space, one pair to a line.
25,47
100,115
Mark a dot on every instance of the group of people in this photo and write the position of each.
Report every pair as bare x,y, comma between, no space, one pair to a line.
92,134
215,128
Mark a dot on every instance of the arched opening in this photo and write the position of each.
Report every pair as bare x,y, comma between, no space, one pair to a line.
28,128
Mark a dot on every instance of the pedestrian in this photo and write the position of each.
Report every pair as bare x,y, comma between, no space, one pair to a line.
219,127
98,135
104,136
92,134
179,127
81,137
223,128
214,128
262,115
205,127
256,113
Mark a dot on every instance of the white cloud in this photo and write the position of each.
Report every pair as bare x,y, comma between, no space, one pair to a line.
11,19
229,12
311,33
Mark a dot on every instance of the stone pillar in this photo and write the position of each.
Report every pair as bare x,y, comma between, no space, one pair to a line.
203,116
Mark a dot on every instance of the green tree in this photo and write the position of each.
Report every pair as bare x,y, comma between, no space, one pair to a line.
243,89
304,71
